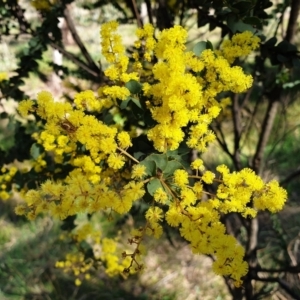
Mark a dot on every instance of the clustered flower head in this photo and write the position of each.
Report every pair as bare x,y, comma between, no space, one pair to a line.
105,250
3,76
241,44
6,178
180,95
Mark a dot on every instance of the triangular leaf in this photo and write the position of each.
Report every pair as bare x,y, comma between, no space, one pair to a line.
35,151
236,25
125,103
133,86
153,185
271,42
171,167
252,21
161,160
150,167
199,48
137,102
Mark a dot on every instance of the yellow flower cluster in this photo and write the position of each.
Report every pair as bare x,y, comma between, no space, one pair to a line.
76,264
114,52
147,34
181,98
39,164
79,195
87,100
198,220
105,250
6,176
3,76
239,188
25,107
178,97
241,44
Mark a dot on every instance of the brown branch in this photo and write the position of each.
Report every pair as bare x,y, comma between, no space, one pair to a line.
222,141
265,131
163,17
283,284
247,96
149,10
251,119
274,96
79,42
287,269
251,254
293,21
75,60
137,14
290,177
236,115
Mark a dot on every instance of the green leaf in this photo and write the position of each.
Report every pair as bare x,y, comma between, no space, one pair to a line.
161,160
242,6
150,167
252,21
271,42
171,167
285,46
124,103
199,48
282,58
236,25
209,45
138,154
6,142
296,62
137,112
133,86
35,151
153,185
137,102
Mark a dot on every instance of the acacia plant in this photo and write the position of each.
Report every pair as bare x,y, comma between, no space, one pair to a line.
137,141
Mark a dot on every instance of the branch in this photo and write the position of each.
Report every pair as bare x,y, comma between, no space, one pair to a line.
75,60
137,14
287,269
283,284
266,131
275,94
163,18
250,124
293,21
149,10
78,41
222,142
236,115
290,177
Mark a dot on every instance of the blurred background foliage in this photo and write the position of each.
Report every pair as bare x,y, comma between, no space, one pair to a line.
55,45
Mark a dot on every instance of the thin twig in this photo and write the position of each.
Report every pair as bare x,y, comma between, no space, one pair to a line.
222,141
293,21
76,60
149,10
92,65
290,177
137,14
237,128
